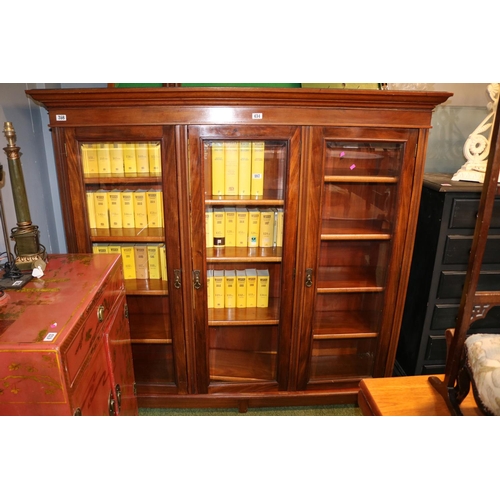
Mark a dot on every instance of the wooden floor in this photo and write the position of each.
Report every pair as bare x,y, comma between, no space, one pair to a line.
406,396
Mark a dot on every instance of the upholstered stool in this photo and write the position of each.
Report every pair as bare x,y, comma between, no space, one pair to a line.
483,363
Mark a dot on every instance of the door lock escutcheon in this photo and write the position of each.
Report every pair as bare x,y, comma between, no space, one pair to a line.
309,277
197,280
177,278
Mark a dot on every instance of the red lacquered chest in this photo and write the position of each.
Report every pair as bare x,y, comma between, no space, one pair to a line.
65,341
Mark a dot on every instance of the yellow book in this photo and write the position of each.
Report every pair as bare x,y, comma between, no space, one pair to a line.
262,288
209,227
280,219
154,208
128,209
162,217
253,227
231,168
219,289
103,159
210,288
100,248
141,262
115,209
142,158
154,158
230,289
163,263
217,169
251,287
241,289
129,159
241,227
114,248
89,159
91,209
116,157
245,168
257,180
128,259
230,226
101,209
219,228
266,234
154,262
140,209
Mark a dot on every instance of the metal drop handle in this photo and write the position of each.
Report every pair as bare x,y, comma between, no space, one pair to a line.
309,278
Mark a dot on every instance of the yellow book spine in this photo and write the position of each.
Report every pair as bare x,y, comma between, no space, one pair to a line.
257,180
128,209
140,209
209,227
103,159
141,262
231,168
279,227
91,209
154,208
241,289
101,209
241,227
218,169
129,158
142,158
115,209
89,159
219,228
210,288
154,158
253,227
154,262
100,248
262,288
116,157
245,168
251,287
163,263
115,248
219,289
128,258
230,226
230,289
266,231
162,217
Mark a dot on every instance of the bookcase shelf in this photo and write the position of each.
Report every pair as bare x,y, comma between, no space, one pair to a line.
339,170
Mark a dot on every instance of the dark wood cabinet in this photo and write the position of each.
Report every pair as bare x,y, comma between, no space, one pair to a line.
341,169
445,230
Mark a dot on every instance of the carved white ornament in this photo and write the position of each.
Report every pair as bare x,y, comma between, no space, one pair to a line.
477,146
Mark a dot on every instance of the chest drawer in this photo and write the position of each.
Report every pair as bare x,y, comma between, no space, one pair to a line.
445,316
457,249
451,283
464,214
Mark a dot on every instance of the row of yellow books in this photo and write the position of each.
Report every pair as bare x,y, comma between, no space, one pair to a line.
237,288
121,158
139,261
238,168
244,227
125,209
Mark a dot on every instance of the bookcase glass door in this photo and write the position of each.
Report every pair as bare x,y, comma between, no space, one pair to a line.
124,209
359,202
244,205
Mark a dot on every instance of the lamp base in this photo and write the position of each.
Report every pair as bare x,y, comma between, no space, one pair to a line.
17,283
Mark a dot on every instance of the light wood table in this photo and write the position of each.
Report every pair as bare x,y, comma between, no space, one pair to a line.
406,396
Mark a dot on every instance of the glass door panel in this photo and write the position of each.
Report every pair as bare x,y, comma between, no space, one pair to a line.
359,204
244,204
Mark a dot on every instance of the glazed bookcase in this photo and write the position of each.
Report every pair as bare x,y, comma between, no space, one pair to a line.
340,180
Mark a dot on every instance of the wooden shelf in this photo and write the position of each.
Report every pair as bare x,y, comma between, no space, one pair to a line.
122,179
145,234
244,254
146,287
245,316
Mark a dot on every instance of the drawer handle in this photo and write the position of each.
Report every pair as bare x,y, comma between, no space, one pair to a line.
100,313
309,277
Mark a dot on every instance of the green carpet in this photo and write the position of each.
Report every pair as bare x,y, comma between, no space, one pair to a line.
300,411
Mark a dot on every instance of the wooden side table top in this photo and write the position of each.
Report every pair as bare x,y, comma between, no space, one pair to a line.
406,396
